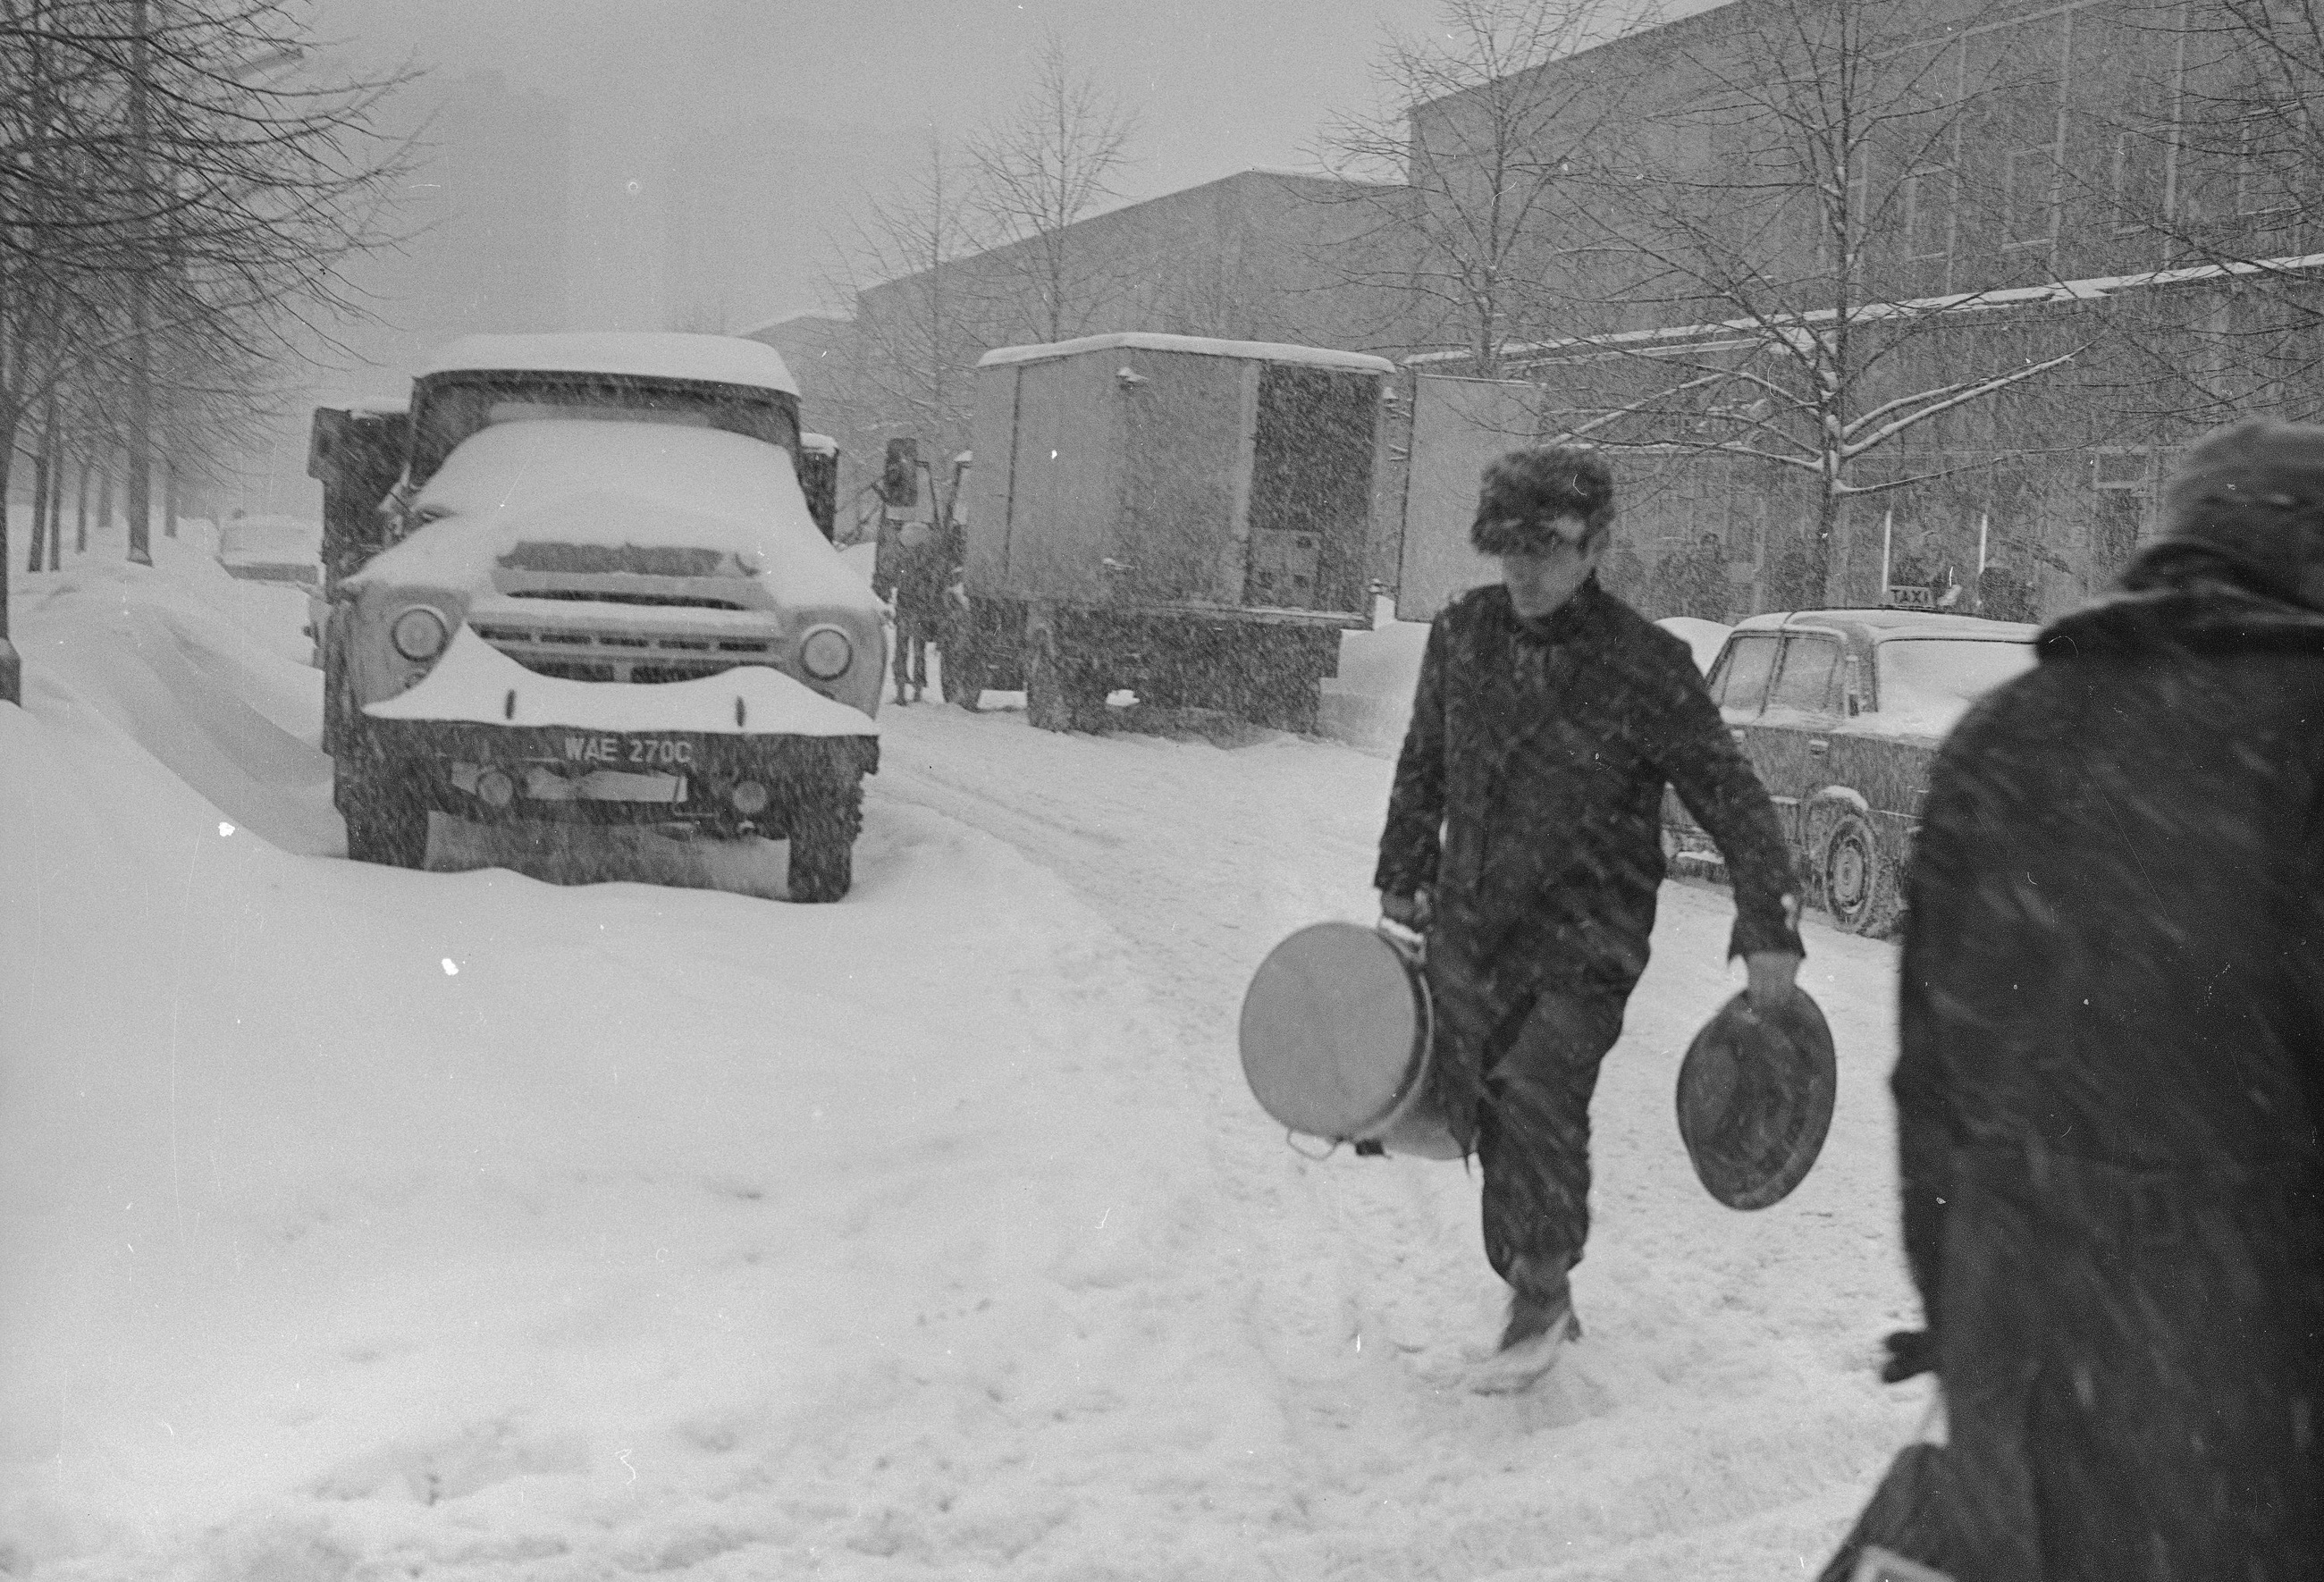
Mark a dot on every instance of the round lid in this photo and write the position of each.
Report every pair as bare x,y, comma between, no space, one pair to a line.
1755,1098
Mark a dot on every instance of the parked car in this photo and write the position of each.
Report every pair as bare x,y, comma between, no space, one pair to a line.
1703,637
271,549
1841,712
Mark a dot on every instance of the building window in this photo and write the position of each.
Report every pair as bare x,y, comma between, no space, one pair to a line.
2121,480
2029,194
2266,166
2142,165
1928,213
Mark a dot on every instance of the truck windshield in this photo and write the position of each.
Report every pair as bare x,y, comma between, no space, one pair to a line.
450,408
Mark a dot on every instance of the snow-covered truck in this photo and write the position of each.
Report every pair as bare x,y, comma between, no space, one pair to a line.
1186,518
579,581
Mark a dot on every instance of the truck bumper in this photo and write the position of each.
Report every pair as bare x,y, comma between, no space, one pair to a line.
726,782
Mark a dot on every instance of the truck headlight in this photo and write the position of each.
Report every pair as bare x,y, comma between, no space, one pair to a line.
420,633
827,653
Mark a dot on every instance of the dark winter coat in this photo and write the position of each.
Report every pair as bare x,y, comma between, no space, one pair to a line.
2113,1015
915,575
1528,797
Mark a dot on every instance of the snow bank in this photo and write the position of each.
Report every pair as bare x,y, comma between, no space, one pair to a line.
1369,703
476,683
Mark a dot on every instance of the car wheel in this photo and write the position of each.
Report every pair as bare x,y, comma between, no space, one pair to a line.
1859,880
823,844
386,813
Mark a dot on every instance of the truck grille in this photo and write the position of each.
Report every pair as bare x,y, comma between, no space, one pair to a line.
605,656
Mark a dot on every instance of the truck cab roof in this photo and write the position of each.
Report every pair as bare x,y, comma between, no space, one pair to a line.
630,355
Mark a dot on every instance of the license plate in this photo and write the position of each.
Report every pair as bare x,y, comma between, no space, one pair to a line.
603,785
599,749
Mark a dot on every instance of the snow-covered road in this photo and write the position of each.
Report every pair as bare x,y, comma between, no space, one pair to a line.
362,1223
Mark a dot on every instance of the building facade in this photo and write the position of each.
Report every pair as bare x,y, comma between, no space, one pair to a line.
1989,265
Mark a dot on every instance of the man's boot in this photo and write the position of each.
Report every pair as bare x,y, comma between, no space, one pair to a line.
1540,1325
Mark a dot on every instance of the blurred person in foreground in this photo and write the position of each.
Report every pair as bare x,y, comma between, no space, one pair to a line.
2107,1095
1524,837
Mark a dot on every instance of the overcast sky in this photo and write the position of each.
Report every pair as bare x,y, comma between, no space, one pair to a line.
1220,84
1217,85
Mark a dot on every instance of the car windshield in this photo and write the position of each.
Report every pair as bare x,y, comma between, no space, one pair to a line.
1927,682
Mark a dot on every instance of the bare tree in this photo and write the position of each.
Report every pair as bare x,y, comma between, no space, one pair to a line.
1463,164
2217,158
1049,164
165,193
914,339
1764,265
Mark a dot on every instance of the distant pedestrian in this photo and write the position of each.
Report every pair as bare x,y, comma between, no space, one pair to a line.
2113,1059
913,569
1523,834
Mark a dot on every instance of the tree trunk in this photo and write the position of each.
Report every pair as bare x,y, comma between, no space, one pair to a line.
12,677
40,506
56,492
80,508
1833,547
170,499
104,498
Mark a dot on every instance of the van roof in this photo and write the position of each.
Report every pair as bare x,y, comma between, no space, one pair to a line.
1201,345
638,355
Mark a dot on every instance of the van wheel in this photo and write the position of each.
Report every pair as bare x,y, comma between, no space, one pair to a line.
1859,880
823,844
1060,694
385,814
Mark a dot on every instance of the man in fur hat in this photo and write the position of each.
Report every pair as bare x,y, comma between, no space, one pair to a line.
2112,1072
1523,835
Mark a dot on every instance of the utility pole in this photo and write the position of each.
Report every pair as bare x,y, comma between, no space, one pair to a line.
140,438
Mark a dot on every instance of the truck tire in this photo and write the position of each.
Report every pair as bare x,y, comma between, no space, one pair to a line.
385,813
1859,878
1059,694
823,844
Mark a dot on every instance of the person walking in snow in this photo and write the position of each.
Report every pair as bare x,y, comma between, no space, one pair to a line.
1524,837
2112,1068
915,572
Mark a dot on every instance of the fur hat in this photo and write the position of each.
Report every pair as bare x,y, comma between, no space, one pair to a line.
2251,495
1525,491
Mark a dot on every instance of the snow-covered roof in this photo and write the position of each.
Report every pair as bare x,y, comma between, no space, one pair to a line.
637,354
1203,345
1884,623
821,444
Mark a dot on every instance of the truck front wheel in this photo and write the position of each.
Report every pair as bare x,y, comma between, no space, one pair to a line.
386,815
823,844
